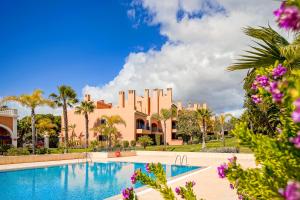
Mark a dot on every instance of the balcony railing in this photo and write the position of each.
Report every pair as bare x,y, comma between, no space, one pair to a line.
8,111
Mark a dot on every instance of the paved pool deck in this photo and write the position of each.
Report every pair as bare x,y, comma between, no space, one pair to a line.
208,185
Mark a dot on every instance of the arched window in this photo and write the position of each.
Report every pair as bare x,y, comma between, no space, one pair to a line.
5,136
140,124
154,127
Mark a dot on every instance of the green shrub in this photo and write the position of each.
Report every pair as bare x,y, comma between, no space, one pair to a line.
4,148
157,139
132,143
42,151
125,144
94,144
118,145
145,141
17,151
278,154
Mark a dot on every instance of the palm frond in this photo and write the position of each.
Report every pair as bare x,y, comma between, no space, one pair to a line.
265,33
265,53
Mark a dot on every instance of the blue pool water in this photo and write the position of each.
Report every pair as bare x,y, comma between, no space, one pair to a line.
82,181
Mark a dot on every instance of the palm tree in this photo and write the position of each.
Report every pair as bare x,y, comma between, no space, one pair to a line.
163,117
31,101
85,108
109,127
270,49
203,115
65,98
222,120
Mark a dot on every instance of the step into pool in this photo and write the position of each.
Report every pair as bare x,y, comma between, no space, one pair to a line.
81,181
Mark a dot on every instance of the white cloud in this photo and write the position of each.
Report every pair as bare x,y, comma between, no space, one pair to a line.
194,59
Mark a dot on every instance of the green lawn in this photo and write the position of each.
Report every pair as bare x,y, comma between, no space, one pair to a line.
229,142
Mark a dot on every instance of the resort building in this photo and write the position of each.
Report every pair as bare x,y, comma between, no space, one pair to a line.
8,126
136,112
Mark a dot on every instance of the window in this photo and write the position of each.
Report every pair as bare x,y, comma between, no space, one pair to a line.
174,124
102,138
174,136
140,124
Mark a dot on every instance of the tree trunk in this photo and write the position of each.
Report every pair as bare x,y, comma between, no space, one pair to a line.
203,134
109,140
33,129
223,136
86,130
65,114
165,134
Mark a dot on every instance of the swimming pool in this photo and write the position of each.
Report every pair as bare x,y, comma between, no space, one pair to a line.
82,181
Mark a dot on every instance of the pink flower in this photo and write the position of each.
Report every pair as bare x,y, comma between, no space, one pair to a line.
277,96
256,99
133,178
288,17
279,71
148,168
291,191
232,159
240,197
297,103
254,85
177,190
222,169
296,115
262,80
296,140
127,193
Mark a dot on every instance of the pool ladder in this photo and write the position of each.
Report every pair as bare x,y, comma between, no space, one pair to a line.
88,157
181,159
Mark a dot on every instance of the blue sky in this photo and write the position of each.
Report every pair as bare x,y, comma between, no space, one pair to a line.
96,47
52,42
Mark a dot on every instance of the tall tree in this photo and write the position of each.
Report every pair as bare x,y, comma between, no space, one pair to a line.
187,124
109,127
203,115
222,120
24,127
66,97
46,126
85,108
31,101
163,116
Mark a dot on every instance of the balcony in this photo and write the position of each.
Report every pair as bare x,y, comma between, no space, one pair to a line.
8,112
143,131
